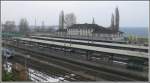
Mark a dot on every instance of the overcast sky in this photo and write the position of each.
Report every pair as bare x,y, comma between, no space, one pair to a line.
132,13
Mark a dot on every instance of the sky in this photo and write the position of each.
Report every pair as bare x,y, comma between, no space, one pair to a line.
132,13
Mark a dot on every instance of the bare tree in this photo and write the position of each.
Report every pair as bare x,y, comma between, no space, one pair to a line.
24,27
70,19
9,26
43,27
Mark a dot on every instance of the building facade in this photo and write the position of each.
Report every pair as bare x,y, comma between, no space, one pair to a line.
95,31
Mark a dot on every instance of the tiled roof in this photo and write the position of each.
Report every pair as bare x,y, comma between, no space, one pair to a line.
85,26
97,28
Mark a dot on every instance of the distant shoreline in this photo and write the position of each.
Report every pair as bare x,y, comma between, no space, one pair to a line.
139,31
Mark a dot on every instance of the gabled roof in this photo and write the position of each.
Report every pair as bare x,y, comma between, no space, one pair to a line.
97,28
85,26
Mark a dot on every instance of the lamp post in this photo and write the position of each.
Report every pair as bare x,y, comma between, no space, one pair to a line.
70,44
92,38
64,44
70,40
88,38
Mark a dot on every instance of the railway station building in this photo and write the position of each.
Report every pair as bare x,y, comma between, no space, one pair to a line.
92,30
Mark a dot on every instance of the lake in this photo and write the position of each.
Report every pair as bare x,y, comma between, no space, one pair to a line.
140,31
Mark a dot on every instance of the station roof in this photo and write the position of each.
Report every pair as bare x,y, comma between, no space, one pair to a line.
94,42
91,48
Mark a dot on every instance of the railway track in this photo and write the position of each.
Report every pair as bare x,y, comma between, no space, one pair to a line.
49,68
105,74
77,69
